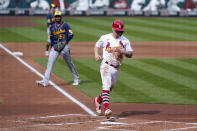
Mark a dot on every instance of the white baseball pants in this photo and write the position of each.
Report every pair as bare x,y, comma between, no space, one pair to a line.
109,76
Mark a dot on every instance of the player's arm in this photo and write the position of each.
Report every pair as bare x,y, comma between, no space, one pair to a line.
48,21
96,53
98,45
69,34
51,35
128,52
123,51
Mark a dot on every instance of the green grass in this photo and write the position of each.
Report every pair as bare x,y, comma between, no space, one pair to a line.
6,35
167,81
91,28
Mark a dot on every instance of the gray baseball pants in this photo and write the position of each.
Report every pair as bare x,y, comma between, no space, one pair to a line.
53,55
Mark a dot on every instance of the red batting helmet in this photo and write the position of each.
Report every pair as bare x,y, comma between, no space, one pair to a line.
118,25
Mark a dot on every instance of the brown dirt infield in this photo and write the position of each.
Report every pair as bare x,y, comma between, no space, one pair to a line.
26,106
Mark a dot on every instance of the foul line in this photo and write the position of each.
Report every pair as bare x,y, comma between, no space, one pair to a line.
178,129
89,111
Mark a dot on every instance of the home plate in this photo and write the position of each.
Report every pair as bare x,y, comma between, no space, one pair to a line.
112,123
18,53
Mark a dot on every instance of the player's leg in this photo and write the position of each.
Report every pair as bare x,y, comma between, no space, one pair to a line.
115,74
97,102
53,55
51,60
67,58
109,77
106,85
106,98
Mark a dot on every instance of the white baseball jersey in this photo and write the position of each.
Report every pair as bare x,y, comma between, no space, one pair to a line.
111,61
108,42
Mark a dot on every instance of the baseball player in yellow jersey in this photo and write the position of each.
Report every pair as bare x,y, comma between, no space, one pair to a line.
115,47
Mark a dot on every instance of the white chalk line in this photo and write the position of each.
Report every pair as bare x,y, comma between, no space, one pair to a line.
28,121
113,126
178,129
143,123
45,117
52,124
84,107
103,122
16,121
57,116
174,122
74,123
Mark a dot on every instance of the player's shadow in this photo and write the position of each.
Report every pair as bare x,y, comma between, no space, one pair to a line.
132,113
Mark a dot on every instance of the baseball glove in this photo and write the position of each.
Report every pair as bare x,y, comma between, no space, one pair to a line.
59,46
118,53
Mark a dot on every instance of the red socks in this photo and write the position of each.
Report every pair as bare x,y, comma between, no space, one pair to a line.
99,99
105,99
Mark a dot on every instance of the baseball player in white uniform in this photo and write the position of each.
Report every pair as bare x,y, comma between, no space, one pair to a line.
115,47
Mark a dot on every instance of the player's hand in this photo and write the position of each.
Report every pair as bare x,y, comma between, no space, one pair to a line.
119,50
98,57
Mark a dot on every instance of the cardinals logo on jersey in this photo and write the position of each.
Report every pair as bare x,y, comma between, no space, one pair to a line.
109,49
121,44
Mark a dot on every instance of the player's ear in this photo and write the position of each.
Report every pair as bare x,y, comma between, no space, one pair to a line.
112,30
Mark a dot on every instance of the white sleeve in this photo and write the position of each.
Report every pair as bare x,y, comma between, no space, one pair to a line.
128,46
100,42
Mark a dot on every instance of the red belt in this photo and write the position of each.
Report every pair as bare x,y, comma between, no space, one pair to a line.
115,66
